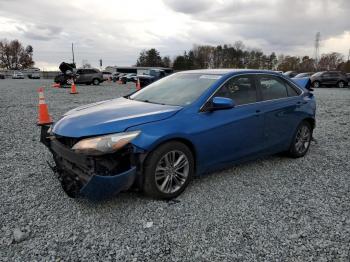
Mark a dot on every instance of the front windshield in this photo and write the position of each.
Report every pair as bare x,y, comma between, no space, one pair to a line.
317,74
179,89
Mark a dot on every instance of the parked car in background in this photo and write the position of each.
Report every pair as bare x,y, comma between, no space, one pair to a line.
17,75
329,78
89,76
2,76
34,76
115,76
307,74
128,78
184,125
81,76
152,76
106,75
290,74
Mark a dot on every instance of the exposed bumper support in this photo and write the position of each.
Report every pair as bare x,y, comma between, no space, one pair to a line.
87,176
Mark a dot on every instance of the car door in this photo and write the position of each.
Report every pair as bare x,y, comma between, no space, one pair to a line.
236,133
280,103
334,78
82,78
326,78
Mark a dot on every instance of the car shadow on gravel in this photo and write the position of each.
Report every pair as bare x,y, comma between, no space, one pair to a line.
243,173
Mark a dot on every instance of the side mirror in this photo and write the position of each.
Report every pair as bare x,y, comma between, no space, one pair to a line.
220,103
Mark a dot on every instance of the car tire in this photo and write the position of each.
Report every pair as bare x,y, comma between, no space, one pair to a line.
95,82
316,84
167,170
301,140
341,84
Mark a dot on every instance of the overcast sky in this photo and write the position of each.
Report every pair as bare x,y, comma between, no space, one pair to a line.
117,30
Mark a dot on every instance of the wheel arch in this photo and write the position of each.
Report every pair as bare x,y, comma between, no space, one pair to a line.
182,140
96,78
311,121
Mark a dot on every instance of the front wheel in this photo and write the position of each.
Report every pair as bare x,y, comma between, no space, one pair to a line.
341,84
301,140
168,170
95,82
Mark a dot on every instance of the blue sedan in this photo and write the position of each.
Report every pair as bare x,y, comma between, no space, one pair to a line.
181,126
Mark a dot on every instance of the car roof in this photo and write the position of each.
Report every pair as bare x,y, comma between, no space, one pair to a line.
228,71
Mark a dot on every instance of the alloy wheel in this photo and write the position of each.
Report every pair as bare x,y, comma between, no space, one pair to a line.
172,172
302,139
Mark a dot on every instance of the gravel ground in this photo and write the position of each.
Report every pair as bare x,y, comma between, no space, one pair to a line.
272,209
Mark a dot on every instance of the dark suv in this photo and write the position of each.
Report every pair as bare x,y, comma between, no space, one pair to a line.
332,78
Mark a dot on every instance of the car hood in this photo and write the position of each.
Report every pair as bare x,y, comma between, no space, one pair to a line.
111,116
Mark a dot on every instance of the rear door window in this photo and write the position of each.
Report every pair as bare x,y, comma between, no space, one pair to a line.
272,88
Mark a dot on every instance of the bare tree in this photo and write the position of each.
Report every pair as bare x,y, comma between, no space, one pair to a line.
330,61
86,64
14,56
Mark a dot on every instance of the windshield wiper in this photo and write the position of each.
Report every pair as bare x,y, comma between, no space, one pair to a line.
151,102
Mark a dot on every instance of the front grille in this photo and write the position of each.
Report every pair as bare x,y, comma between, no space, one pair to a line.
112,164
67,141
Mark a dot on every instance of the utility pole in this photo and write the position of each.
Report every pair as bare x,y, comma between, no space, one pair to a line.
73,53
317,47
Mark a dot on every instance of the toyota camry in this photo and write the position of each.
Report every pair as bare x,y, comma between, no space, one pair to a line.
184,125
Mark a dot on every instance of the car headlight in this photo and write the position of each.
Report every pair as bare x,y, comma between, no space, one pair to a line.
104,144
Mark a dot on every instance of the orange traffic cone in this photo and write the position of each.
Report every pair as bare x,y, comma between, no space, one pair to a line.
138,84
56,85
73,89
44,117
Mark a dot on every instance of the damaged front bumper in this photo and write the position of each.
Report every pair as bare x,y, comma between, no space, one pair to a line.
93,177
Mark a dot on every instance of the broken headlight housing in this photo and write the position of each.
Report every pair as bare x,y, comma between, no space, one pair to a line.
104,144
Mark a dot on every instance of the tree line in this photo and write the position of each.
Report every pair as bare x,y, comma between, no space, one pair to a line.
14,56
239,56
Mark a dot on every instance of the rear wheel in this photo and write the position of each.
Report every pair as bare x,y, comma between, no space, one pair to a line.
341,84
95,82
168,170
301,140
